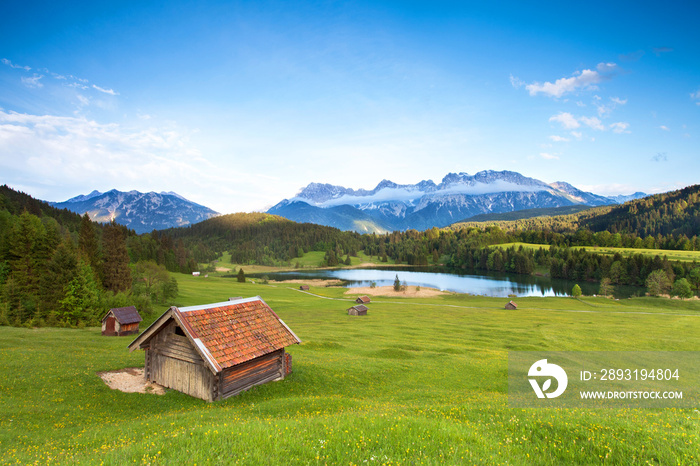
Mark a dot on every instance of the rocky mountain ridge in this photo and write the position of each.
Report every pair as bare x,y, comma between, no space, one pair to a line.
391,206
142,212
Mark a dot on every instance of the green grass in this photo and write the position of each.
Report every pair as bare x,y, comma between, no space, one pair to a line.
419,381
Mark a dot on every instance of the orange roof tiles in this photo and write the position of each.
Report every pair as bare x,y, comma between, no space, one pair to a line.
237,331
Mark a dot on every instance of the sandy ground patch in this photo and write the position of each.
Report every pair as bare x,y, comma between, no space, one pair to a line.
410,292
130,380
314,282
223,269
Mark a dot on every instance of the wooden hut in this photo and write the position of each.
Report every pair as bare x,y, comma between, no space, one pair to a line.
121,321
511,306
304,287
362,300
218,350
359,310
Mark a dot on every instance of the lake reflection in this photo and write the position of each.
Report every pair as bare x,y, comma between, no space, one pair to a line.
496,285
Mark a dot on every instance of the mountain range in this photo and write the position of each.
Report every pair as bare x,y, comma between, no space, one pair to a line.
421,206
142,212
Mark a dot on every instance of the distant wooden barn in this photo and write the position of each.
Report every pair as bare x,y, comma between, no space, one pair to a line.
304,287
359,310
218,350
362,300
511,306
121,321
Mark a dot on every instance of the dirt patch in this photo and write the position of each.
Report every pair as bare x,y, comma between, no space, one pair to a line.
130,380
314,282
411,292
223,269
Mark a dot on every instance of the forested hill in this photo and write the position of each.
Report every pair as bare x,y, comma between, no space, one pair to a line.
16,202
261,238
673,213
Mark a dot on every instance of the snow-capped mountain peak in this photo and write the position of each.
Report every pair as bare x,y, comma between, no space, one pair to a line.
425,204
142,212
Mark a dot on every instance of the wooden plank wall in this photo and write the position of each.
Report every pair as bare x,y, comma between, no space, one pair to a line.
237,379
175,364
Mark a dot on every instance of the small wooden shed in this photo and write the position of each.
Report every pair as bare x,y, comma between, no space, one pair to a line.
511,306
216,351
362,300
121,321
304,287
359,310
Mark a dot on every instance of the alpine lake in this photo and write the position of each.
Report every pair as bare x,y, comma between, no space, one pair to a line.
499,285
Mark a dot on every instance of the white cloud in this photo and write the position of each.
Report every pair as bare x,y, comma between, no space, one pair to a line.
620,127
659,50
7,62
516,82
592,122
548,156
605,110
664,127
581,80
106,91
556,138
696,96
67,151
32,82
84,101
577,134
567,120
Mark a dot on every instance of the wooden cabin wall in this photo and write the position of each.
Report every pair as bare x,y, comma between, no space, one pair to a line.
128,329
173,362
244,376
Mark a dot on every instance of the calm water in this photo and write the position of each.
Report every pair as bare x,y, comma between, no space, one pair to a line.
496,285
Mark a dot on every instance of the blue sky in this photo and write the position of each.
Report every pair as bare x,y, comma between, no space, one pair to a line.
237,105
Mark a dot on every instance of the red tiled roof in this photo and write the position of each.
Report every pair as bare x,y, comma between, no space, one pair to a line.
237,331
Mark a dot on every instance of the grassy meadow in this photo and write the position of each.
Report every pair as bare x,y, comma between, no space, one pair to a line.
417,381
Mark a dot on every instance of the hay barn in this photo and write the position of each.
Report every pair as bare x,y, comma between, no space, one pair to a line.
216,351
359,310
511,305
362,300
121,321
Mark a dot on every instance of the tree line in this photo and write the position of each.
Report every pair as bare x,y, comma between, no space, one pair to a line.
58,268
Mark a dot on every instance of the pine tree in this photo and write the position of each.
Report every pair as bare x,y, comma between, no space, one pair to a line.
241,276
397,283
88,246
117,276
80,303
27,254
60,270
